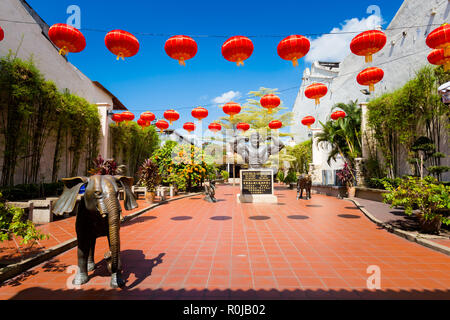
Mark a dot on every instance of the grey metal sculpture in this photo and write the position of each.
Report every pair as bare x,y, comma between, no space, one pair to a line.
304,182
210,191
98,215
257,152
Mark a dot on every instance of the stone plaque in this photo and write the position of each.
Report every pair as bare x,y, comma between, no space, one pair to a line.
256,182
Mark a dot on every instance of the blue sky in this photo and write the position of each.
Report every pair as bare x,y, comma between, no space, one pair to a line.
151,81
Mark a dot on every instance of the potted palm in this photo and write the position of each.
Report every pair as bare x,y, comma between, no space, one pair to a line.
149,178
347,178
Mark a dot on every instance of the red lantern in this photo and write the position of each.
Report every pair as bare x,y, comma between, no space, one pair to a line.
172,116
237,49
440,39
117,118
369,77
270,101
308,121
368,43
162,125
127,116
2,34
437,57
121,43
232,109
338,115
189,127
66,38
316,91
200,113
215,127
243,126
293,48
181,48
275,125
141,122
148,117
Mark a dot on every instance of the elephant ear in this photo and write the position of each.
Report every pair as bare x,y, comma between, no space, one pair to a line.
126,183
68,199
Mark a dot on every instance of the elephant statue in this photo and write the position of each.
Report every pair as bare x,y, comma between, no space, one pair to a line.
98,216
304,182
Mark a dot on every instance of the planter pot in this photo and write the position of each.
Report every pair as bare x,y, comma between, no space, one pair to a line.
351,191
431,226
150,197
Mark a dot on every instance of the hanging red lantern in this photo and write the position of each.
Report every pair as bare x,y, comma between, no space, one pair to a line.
2,34
232,109
308,121
181,48
270,101
67,38
200,113
122,43
316,91
141,122
117,118
189,127
368,43
127,116
215,127
338,115
237,49
369,77
162,125
438,58
172,116
148,117
293,48
275,125
243,126
440,39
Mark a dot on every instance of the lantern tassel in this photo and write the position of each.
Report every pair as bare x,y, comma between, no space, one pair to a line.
269,111
182,62
231,117
371,87
295,62
447,51
120,55
240,63
369,58
63,51
447,67
317,101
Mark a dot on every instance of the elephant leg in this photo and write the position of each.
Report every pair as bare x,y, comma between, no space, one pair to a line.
91,262
83,252
301,194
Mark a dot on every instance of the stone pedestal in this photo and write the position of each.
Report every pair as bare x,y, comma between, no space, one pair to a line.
257,187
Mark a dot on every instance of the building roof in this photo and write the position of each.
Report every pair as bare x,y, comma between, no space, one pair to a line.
117,105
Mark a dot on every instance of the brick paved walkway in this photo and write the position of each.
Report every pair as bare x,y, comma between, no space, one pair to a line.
191,249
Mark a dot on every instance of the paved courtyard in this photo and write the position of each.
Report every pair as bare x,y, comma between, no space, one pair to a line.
191,249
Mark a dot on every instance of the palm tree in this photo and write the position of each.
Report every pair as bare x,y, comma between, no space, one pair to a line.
344,135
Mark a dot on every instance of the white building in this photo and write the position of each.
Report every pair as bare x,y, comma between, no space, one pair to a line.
404,54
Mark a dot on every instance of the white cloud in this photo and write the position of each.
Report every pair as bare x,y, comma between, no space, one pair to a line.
227,97
335,47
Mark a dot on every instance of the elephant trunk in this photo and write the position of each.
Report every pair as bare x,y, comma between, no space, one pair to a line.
113,208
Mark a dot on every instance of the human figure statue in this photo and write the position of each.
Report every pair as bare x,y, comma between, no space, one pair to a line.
257,152
210,191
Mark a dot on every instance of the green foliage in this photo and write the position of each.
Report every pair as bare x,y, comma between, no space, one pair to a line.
302,154
13,222
344,135
225,175
32,110
377,183
280,176
399,118
291,177
132,145
428,195
148,175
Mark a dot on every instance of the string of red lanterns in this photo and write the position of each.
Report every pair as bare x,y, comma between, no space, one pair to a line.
189,127
67,38
237,49
122,44
370,77
200,113
244,127
293,48
215,127
232,109
162,125
308,121
171,116
270,102
368,43
275,125
338,115
316,91
181,48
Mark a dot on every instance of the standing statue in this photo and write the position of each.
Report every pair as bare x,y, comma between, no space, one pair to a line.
257,153
98,215
210,191
304,182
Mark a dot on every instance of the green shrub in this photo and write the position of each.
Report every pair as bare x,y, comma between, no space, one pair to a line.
430,197
376,183
291,177
280,176
225,175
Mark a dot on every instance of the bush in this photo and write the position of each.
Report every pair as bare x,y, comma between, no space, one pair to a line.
280,176
430,197
376,183
291,177
225,175
14,222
